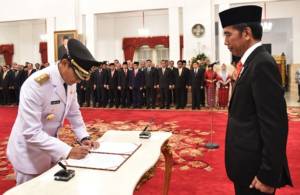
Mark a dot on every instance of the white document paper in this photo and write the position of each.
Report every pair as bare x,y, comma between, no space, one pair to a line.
98,161
116,147
109,156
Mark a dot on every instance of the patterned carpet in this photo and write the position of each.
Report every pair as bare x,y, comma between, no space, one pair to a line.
196,169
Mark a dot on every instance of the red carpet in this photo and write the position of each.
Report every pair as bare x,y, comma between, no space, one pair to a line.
196,170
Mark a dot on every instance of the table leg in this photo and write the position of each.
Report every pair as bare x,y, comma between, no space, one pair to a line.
166,150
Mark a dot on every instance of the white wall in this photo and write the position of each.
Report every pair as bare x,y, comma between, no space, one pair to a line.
112,28
25,35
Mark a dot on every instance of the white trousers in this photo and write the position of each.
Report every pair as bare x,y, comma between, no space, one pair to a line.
22,177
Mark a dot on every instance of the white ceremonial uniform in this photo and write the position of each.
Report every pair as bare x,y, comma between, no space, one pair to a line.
33,146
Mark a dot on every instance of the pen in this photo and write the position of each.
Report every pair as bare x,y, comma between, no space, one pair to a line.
78,142
62,165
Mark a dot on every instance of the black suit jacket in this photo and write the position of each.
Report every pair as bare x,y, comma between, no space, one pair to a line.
257,126
8,80
197,80
123,79
164,80
137,81
151,77
99,78
113,80
181,81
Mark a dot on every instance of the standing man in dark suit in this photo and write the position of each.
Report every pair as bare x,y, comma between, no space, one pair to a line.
6,84
197,84
113,86
137,83
181,82
19,78
257,129
164,84
150,84
172,91
123,85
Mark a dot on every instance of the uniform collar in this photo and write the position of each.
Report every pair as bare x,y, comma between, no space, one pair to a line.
249,51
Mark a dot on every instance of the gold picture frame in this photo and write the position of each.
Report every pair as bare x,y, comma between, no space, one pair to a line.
59,37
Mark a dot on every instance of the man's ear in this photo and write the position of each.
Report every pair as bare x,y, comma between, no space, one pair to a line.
65,62
247,33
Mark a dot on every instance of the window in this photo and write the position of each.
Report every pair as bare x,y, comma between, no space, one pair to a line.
143,53
2,60
160,52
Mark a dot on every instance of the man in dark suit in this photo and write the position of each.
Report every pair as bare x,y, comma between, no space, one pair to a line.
136,83
151,77
113,86
197,84
6,84
257,129
99,80
164,84
29,70
19,78
172,91
181,81
123,85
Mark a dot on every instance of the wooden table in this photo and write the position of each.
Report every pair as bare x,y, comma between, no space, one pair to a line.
120,182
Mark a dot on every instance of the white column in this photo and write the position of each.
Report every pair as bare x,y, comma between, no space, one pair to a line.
174,39
50,28
224,53
90,32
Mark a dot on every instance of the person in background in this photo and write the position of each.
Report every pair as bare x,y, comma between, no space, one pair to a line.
123,85
151,78
6,84
46,99
181,82
223,86
164,84
196,84
210,83
112,85
137,83
257,129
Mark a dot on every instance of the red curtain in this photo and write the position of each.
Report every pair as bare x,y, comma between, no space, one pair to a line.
44,52
8,51
132,43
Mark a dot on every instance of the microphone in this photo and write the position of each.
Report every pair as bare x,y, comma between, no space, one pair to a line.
214,63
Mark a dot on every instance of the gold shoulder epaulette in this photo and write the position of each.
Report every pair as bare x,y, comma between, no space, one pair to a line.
41,79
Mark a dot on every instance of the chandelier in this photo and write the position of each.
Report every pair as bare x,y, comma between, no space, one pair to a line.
143,32
266,25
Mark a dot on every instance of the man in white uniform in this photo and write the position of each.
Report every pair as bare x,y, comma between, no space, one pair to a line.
47,98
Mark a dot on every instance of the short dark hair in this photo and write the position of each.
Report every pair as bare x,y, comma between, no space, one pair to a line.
255,27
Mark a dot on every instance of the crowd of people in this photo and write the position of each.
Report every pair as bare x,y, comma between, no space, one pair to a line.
11,79
136,85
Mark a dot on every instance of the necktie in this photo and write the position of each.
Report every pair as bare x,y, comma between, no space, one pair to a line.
195,72
66,88
239,67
